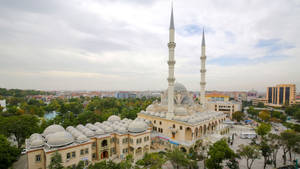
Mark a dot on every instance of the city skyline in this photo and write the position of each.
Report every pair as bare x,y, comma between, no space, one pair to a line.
121,45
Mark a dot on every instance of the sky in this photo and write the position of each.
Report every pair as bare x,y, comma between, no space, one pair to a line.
122,44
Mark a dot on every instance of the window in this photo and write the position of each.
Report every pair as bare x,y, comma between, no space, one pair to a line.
125,140
131,140
174,126
160,123
68,155
94,155
125,150
81,152
112,151
73,154
161,130
180,127
154,121
38,158
94,144
112,140
145,139
138,141
86,151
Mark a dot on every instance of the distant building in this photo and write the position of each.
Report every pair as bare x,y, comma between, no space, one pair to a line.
281,94
255,101
216,97
122,95
226,107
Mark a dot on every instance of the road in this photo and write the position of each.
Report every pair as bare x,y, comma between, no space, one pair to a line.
21,163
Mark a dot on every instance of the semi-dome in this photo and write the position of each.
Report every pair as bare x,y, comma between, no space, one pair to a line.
53,129
137,127
113,118
60,139
178,87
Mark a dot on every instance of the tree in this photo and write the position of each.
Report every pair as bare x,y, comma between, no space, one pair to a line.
8,154
127,164
260,104
274,142
177,158
238,116
265,151
20,126
297,115
233,164
264,115
250,153
290,140
252,112
152,160
218,152
263,129
56,161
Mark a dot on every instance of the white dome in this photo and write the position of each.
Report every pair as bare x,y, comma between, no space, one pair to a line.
36,143
82,138
113,118
108,129
122,130
137,127
53,129
178,87
99,132
60,139
35,136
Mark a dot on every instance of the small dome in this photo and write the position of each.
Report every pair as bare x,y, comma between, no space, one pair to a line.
99,132
178,87
35,136
60,139
82,138
122,130
113,118
53,129
137,127
36,143
108,129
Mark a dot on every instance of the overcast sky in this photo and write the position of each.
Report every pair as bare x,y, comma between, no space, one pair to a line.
122,44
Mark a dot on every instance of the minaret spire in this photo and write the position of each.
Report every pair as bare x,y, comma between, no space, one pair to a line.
202,71
171,63
203,38
172,18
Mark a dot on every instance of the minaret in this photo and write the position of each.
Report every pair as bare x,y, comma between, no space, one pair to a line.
171,63
202,70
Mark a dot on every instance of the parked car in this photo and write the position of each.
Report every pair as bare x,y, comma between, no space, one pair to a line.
23,151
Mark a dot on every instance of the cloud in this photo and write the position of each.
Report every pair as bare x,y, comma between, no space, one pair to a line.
121,44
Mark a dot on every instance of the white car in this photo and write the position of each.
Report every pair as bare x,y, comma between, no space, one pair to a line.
23,151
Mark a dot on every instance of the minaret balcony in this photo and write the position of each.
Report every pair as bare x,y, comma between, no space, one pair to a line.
171,62
171,79
171,44
203,57
202,83
202,70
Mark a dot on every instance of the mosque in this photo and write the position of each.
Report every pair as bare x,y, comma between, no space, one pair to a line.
177,121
